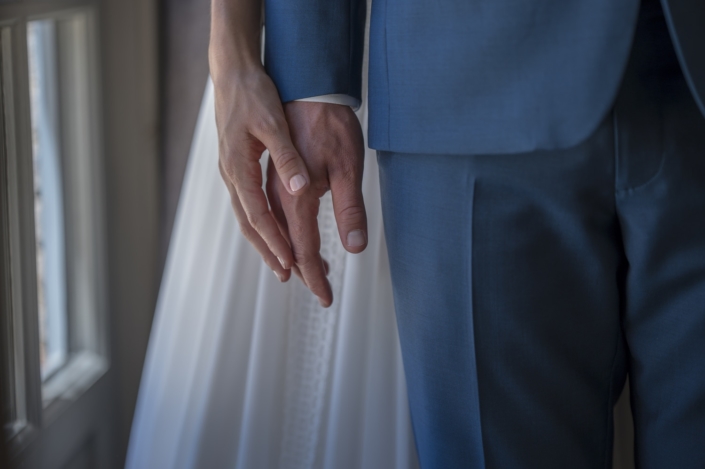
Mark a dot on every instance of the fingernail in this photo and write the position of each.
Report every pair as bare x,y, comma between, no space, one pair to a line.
356,238
279,277
321,302
297,182
281,261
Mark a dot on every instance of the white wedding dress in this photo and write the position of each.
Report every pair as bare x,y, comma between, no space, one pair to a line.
245,372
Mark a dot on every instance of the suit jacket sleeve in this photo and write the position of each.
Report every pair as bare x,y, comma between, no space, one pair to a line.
314,47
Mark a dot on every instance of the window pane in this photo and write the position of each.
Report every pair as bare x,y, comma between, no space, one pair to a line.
48,195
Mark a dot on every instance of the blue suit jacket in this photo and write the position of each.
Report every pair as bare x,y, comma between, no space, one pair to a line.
472,76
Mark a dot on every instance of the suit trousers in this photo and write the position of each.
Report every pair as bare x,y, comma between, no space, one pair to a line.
528,285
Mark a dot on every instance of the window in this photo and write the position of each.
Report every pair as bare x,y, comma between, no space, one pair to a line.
48,197
51,216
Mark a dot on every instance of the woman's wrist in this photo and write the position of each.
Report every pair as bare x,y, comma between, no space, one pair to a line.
226,67
235,38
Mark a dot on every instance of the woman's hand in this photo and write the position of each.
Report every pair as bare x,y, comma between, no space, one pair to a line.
250,120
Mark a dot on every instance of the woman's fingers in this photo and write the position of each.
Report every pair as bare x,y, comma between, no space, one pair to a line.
245,175
253,236
250,119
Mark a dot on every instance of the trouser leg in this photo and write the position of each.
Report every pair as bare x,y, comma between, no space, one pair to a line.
505,276
661,206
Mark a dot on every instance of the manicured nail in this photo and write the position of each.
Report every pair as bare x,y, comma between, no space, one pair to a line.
297,182
356,238
281,261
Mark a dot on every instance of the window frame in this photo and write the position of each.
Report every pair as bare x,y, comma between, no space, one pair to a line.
30,403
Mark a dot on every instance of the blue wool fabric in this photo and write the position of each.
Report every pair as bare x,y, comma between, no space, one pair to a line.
471,76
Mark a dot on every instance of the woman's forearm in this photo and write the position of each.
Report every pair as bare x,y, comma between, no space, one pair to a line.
236,27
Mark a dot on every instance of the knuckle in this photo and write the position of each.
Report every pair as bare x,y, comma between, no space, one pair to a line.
305,261
228,166
246,231
287,161
255,220
346,177
352,175
351,214
348,174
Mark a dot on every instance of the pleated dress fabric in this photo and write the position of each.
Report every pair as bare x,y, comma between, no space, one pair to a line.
244,372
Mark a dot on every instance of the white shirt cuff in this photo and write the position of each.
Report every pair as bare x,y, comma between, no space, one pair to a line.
342,99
